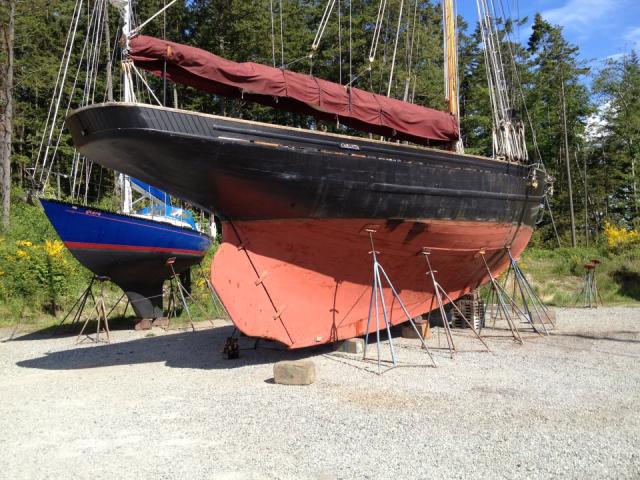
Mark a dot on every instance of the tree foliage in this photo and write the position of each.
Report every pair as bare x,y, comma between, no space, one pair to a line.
547,74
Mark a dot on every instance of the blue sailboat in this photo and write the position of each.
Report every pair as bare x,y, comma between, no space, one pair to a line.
132,248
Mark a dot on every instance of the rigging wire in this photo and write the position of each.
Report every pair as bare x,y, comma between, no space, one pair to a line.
44,179
407,81
384,50
60,90
534,138
281,37
273,34
350,45
377,30
339,42
395,49
322,26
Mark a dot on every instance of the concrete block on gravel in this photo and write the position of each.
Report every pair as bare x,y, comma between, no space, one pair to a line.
144,324
421,325
297,372
162,322
353,345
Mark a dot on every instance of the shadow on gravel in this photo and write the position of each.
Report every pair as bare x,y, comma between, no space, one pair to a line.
72,330
200,350
600,337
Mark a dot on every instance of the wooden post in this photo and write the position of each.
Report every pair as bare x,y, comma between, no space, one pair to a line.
7,32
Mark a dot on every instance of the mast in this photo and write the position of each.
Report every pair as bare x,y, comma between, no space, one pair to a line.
451,63
128,94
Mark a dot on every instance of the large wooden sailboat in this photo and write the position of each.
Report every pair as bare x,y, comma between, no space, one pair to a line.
298,205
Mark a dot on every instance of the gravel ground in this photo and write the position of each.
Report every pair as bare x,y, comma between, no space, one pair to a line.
167,405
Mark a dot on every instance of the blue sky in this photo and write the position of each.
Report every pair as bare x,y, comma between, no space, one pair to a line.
601,28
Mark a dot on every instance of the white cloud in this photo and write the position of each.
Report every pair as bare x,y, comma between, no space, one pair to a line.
633,37
580,15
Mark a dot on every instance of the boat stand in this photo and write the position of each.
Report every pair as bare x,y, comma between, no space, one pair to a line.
99,307
498,296
438,294
177,295
589,291
80,304
377,303
533,306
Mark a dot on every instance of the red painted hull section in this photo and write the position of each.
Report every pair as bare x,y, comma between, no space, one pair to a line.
308,282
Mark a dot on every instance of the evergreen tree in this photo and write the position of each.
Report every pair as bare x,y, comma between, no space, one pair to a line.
618,88
556,90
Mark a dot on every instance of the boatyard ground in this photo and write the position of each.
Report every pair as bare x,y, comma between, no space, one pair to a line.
168,405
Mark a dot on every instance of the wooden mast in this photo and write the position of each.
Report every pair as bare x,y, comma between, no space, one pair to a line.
451,63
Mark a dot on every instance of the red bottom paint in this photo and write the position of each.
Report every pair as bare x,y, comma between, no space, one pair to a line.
308,282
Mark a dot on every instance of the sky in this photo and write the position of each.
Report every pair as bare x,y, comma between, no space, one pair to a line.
601,28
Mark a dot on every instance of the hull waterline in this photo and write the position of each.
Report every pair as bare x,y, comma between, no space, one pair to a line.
294,263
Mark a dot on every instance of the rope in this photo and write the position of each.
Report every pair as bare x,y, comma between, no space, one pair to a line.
534,138
70,38
61,89
339,42
131,66
281,36
273,34
350,45
323,25
395,49
376,32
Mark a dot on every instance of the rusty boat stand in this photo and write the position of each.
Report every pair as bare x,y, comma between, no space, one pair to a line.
377,303
98,307
533,306
589,290
498,296
438,294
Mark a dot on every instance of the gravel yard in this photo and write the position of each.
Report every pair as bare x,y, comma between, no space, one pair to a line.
167,405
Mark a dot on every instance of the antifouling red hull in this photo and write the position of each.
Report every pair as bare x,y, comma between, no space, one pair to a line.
306,282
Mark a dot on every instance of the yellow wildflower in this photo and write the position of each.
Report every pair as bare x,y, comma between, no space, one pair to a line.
53,247
21,253
618,237
24,243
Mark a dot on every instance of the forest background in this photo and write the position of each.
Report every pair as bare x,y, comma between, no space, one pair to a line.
586,122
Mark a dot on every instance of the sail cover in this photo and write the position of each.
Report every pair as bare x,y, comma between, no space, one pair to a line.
293,91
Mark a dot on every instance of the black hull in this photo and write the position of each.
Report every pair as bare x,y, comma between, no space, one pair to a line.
250,171
140,275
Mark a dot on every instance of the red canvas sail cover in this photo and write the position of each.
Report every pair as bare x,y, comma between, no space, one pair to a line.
292,91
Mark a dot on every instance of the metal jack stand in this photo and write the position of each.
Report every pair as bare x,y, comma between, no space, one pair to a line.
177,289
101,311
590,287
497,294
532,304
80,304
439,292
377,300
215,298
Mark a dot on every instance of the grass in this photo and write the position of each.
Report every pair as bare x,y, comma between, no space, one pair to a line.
558,274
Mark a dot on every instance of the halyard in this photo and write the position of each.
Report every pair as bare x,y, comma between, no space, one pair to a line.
168,405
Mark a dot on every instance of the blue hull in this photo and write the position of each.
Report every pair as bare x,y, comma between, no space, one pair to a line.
131,251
